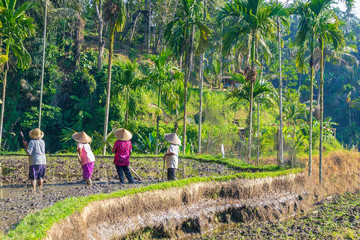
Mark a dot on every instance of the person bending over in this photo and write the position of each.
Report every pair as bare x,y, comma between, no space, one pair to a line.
122,149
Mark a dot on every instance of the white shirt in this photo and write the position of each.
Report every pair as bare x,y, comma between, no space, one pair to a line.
172,161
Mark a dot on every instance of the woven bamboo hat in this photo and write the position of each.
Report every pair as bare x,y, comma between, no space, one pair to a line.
36,133
122,134
81,137
172,138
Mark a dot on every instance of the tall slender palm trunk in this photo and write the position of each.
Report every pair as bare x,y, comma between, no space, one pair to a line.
258,135
101,44
3,104
43,67
6,65
251,95
250,119
220,57
201,76
322,66
281,143
312,73
108,88
157,124
187,79
201,98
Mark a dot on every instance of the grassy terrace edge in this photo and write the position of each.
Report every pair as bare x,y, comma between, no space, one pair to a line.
35,225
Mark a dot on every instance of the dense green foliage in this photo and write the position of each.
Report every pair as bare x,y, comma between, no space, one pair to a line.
75,88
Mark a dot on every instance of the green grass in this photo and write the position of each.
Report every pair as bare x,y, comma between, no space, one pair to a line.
234,163
35,225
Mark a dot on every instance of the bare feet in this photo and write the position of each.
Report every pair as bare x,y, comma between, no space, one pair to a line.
88,181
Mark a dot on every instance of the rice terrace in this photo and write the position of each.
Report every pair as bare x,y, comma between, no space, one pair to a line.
179,119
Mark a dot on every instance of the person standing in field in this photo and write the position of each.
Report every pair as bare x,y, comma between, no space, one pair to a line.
85,155
122,149
37,158
172,155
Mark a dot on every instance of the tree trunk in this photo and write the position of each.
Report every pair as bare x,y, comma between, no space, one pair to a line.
79,40
3,104
149,27
258,134
6,65
157,124
201,98
251,95
349,115
101,44
107,105
312,73
159,42
187,79
281,145
201,74
133,28
147,23
322,66
293,157
220,56
176,127
180,62
43,67
250,119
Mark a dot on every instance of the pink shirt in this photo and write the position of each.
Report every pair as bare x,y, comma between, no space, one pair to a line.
86,155
122,153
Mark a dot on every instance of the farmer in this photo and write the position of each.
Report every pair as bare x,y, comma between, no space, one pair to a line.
172,155
37,159
85,155
122,149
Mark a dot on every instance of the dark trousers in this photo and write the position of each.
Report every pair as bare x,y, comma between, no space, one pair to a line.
124,169
171,174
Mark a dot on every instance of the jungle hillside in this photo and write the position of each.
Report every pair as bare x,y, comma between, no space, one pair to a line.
244,78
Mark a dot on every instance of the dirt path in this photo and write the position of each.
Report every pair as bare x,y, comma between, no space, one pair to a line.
17,199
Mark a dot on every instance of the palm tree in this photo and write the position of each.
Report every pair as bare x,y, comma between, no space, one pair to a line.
180,36
16,26
294,112
254,20
126,83
115,14
317,23
264,95
201,78
258,91
328,32
162,72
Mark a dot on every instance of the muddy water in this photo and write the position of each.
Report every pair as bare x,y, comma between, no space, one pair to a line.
17,198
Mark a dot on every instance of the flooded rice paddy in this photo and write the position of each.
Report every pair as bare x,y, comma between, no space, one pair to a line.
64,179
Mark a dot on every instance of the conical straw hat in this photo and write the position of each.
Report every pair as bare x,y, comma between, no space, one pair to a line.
172,138
81,137
122,134
36,134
